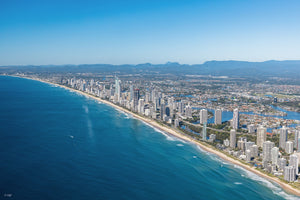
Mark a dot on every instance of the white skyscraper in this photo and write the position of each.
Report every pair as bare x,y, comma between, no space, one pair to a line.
267,146
249,144
235,119
274,155
218,116
289,174
141,106
188,111
131,92
203,116
294,162
283,137
289,147
297,140
117,89
232,138
254,150
180,107
261,136
248,155
282,163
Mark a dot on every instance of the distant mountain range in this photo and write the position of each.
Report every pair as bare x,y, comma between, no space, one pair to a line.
288,68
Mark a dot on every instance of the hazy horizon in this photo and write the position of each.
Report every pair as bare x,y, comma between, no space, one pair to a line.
152,63
119,32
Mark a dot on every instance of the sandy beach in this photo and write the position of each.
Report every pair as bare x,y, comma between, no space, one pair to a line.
288,188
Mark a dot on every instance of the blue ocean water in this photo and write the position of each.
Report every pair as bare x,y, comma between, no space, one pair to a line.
56,144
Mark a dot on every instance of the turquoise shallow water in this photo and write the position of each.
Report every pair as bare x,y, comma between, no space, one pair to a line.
56,144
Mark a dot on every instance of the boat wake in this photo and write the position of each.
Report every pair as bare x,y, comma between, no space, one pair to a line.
238,183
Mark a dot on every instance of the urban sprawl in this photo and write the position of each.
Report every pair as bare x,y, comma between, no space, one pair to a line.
256,133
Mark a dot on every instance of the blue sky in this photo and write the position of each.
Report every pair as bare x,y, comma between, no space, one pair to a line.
118,32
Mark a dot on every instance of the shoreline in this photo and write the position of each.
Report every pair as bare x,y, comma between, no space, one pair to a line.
286,187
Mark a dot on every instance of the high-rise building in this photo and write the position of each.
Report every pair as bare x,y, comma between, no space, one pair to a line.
167,111
297,140
147,97
203,116
117,90
282,163
251,128
131,92
180,107
235,119
249,144
261,136
274,155
294,162
136,97
242,144
267,146
162,110
283,137
141,106
254,150
218,116
289,174
248,155
188,111
289,147
232,138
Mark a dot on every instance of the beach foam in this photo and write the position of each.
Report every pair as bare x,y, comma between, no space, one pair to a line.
276,189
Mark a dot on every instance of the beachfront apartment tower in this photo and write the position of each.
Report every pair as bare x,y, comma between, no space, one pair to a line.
131,92
254,150
232,138
235,119
267,147
297,140
274,155
281,163
289,147
261,136
289,174
136,97
283,137
294,162
117,89
218,116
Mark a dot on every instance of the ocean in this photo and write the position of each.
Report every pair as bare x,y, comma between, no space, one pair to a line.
57,144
